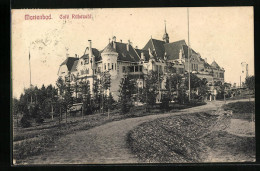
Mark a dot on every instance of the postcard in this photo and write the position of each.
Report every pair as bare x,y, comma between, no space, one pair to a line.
133,85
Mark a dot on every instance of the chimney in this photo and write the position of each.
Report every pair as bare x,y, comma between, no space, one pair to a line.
128,44
76,55
114,44
142,56
90,53
136,47
114,38
205,59
180,54
120,40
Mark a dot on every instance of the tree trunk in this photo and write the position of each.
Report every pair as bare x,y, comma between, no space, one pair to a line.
66,115
52,112
82,110
60,116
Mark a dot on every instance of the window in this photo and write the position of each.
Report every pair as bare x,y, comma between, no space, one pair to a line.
115,66
86,61
136,68
87,71
181,71
140,68
99,69
105,66
165,68
160,68
131,68
112,66
123,69
108,66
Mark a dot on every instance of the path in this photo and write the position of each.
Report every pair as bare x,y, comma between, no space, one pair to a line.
105,143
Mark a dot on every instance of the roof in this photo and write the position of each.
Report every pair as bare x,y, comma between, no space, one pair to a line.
173,49
123,53
215,65
185,49
69,62
146,53
157,46
95,52
109,48
74,66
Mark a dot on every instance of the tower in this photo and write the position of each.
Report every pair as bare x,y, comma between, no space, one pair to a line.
165,36
244,72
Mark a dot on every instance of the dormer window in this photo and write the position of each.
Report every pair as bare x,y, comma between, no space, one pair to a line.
86,61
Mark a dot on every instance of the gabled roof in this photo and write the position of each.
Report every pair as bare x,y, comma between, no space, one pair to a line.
173,49
157,46
95,52
215,65
146,53
206,65
123,53
74,66
69,62
185,49
108,48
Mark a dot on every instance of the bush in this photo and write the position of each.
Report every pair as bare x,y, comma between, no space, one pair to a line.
25,123
39,120
165,103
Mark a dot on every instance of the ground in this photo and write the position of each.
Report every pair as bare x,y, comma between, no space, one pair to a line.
103,144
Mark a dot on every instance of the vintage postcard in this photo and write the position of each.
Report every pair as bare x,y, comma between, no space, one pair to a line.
133,85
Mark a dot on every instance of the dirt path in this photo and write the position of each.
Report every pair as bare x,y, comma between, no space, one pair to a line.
103,144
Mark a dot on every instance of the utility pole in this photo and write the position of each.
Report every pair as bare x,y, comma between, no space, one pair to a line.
188,50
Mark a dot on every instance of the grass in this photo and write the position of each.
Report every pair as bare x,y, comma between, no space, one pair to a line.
171,139
37,139
188,138
241,110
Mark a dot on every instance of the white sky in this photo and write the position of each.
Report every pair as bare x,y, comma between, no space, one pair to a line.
223,34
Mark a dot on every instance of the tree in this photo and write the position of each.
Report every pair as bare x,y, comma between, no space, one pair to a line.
61,87
96,95
105,79
173,83
127,88
15,110
151,88
85,96
67,98
203,89
250,83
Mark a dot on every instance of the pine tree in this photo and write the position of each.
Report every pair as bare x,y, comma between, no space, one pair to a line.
127,88
151,88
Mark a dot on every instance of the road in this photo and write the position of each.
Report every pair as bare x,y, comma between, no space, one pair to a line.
105,143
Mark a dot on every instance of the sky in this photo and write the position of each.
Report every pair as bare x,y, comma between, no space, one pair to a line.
223,34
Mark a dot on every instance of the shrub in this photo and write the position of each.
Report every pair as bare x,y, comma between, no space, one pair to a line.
165,103
25,123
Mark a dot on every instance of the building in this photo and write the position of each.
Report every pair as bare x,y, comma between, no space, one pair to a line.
119,58
244,73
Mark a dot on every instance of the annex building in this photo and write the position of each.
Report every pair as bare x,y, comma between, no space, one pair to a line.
119,58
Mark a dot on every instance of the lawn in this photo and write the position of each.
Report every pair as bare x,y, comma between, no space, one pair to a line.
195,137
241,110
39,138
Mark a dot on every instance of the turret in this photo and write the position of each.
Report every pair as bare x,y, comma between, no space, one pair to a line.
166,36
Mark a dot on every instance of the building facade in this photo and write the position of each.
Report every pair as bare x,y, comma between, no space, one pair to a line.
119,58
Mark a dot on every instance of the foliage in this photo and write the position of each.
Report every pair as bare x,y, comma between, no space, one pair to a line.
25,122
173,82
250,82
150,90
127,88
182,95
165,102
